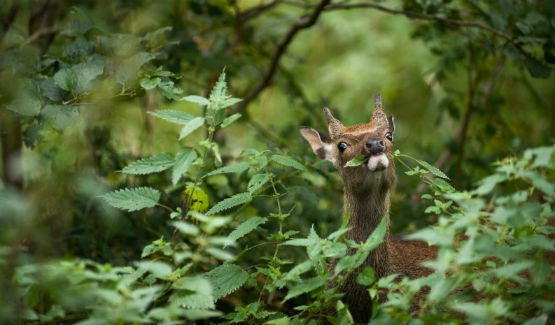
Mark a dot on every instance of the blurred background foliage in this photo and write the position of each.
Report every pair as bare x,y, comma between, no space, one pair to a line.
469,82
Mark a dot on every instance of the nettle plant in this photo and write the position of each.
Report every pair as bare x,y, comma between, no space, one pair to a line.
496,253
184,276
495,243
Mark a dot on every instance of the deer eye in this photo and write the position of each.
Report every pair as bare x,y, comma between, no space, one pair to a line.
342,146
389,136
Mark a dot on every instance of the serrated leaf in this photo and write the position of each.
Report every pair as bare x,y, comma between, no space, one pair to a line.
432,169
230,119
487,184
225,279
193,292
186,228
191,126
289,162
220,88
159,269
170,115
304,287
196,99
219,253
257,181
237,168
133,199
183,161
230,202
246,227
228,102
357,161
149,165
512,270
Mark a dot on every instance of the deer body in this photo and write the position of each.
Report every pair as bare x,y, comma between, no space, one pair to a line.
366,200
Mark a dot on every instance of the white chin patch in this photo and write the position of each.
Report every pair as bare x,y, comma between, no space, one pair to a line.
378,162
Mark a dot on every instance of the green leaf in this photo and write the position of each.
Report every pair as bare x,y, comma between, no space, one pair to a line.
257,181
177,117
376,237
196,99
228,102
230,119
159,269
193,292
152,164
432,169
133,199
246,227
65,79
186,228
128,70
289,162
191,126
86,72
149,83
27,101
225,279
219,253
230,202
487,184
366,277
237,168
304,287
195,314
183,161
536,68
357,161
441,288
540,320
511,271
220,88
59,116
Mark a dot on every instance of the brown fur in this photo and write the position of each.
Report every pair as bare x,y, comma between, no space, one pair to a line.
366,201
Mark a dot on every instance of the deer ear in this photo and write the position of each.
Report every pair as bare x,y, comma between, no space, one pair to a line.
320,143
391,123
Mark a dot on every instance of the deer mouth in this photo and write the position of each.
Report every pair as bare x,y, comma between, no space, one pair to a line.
377,162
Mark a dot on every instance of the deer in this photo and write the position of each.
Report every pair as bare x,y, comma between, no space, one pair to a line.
367,189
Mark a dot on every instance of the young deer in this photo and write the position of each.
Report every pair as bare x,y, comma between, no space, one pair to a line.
366,200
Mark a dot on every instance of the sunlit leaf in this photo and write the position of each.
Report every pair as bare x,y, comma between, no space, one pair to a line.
133,199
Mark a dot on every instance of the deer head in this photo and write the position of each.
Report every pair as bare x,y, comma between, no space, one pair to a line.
372,140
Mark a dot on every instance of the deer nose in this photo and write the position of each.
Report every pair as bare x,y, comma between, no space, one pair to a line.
374,146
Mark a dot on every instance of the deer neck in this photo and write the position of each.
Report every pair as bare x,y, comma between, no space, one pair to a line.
366,208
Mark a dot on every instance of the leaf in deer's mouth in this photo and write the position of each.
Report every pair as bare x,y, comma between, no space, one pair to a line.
357,161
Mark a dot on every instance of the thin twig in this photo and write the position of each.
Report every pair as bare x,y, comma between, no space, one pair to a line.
414,15
257,10
40,33
303,23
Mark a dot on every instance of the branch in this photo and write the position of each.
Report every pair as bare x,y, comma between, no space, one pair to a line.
302,23
40,33
255,11
414,15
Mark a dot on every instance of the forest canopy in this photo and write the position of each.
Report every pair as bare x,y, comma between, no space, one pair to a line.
153,171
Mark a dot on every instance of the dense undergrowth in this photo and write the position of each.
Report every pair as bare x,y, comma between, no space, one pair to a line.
495,246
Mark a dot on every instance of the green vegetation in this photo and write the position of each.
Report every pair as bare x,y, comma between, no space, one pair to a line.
152,169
